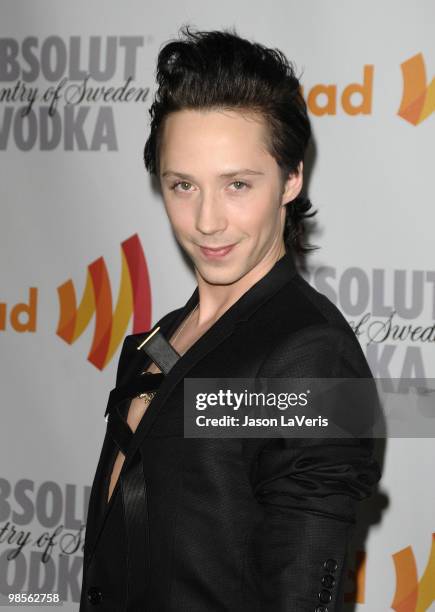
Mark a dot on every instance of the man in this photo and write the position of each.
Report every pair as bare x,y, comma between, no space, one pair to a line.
208,525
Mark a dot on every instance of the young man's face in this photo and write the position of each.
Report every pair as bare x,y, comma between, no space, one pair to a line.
208,209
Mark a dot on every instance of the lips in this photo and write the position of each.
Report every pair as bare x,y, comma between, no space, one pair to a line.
213,252
222,248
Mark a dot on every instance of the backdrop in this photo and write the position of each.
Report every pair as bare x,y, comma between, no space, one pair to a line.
87,254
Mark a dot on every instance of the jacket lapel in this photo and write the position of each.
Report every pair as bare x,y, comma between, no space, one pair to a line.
280,274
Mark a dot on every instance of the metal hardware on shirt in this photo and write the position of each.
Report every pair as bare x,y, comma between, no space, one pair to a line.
148,395
160,350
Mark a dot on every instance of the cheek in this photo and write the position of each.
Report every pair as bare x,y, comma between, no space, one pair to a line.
256,211
179,214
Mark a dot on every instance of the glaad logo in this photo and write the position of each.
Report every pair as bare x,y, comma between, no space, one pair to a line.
418,99
355,99
134,297
413,595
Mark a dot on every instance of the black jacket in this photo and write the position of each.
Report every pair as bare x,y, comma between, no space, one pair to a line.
233,525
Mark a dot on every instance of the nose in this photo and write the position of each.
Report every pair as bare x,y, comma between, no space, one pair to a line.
211,217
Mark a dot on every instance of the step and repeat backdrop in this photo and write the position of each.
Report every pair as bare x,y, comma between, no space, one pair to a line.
87,253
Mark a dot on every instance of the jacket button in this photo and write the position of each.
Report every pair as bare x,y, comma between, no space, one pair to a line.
330,565
328,581
321,609
325,596
95,595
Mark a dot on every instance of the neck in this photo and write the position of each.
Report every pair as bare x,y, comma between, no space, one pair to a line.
214,299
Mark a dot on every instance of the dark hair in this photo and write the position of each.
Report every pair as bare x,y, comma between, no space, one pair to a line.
221,70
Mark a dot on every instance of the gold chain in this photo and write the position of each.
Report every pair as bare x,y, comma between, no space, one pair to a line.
184,324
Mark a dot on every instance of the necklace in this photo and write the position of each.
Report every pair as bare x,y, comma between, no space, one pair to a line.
184,324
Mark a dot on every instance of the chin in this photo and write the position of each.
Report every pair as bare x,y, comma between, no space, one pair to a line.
224,275
220,279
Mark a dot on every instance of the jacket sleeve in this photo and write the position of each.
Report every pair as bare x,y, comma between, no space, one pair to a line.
309,488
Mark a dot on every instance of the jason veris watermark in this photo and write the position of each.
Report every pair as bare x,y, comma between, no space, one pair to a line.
234,401
309,407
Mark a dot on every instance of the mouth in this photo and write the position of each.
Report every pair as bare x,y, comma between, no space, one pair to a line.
216,252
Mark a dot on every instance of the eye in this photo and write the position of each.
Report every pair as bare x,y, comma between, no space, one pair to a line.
240,183
174,185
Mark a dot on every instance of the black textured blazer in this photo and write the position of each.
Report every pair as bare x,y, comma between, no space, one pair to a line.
234,524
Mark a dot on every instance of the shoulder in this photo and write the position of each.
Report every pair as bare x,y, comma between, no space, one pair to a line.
309,336
301,305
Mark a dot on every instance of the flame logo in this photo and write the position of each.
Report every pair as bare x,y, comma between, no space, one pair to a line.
418,99
110,325
411,594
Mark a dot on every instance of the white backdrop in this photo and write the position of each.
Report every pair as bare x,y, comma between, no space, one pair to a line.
72,198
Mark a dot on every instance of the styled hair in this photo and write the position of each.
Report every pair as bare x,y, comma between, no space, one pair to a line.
219,70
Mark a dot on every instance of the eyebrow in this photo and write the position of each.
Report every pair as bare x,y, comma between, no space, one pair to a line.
224,175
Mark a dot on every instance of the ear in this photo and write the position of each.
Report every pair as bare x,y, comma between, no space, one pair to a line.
293,185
